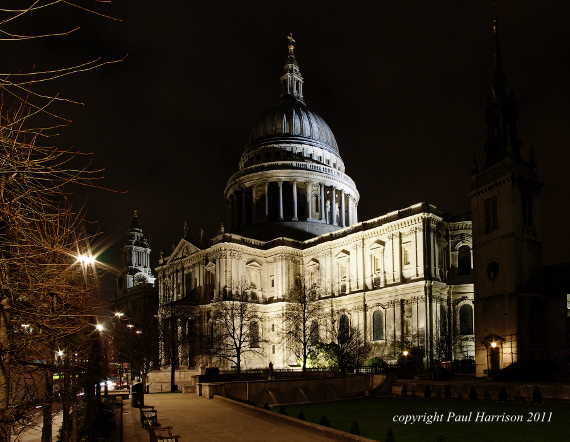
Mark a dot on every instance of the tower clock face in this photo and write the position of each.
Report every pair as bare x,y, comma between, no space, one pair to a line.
139,279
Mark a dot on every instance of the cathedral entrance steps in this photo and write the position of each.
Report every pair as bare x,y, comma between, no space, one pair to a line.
483,389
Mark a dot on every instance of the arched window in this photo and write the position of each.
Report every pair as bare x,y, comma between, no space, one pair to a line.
466,320
464,261
314,337
378,325
254,335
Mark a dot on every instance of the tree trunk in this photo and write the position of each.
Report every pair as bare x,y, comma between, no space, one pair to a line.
4,371
47,427
74,421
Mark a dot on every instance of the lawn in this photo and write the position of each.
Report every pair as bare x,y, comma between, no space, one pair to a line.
376,415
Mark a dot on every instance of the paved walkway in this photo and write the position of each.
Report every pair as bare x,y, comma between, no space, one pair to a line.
196,418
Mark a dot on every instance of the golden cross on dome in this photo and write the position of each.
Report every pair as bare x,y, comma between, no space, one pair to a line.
291,41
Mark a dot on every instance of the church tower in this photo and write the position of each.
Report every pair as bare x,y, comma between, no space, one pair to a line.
507,245
135,260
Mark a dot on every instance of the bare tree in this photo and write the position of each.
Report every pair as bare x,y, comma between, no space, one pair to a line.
236,324
46,296
302,315
347,346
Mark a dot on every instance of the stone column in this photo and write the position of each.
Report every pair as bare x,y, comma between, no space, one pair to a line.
280,184
333,206
234,210
342,223
309,207
243,215
323,216
253,188
295,200
355,212
266,200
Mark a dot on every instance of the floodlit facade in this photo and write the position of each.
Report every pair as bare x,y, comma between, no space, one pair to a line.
404,279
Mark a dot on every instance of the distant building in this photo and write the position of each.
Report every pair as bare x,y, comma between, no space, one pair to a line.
136,298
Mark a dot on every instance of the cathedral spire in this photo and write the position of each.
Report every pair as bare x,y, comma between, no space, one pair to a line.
292,80
501,115
499,77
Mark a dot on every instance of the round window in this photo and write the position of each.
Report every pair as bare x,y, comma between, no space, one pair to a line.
493,270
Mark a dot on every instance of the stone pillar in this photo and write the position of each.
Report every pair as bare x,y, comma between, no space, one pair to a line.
295,200
266,200
234,210
350,221
309,207
323,216
342,223
333,206
280,184
355,212
253,203
243,217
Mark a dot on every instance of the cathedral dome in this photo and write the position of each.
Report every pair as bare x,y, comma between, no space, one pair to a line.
291,180
292,121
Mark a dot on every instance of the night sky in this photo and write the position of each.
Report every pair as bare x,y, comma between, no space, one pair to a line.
403,86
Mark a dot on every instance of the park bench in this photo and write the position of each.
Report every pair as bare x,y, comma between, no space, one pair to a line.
156,434
148,413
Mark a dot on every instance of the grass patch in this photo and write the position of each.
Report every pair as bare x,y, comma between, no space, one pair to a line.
375,416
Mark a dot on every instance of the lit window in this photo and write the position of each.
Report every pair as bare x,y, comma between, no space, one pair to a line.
378,325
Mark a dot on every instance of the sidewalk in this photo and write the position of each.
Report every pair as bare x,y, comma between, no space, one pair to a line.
196,418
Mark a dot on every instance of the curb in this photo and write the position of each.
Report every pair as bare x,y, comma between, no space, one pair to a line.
327,432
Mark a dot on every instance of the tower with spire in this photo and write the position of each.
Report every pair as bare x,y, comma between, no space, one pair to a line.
135,260
507,244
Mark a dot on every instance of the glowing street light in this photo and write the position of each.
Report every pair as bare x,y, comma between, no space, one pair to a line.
130,325
99,327
118,315
86,259
405,353
60,353
493,344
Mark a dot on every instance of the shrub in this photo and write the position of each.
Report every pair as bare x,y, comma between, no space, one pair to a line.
354,429
427,392
404,392
473,393
537,395
266,406
528,370
390,436
447,394
502,394
376,362
301,416
283,411
324,421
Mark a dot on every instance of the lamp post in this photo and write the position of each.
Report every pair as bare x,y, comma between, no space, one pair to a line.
119,350
104,355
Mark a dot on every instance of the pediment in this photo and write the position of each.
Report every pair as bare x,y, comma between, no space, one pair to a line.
313,263
253,264
183,249
377,246
343,254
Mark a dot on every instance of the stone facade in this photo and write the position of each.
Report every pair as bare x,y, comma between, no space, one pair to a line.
403,279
